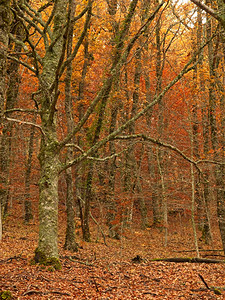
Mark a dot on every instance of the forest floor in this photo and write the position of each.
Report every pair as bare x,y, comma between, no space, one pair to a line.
100,271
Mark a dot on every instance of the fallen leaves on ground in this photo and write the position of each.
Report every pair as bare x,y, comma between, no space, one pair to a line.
98,271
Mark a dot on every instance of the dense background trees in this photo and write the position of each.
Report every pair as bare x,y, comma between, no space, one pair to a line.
122,103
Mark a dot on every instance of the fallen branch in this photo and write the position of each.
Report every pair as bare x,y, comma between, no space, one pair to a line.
217,255
30,292
200,250
215,290
80,262
12,258
190,260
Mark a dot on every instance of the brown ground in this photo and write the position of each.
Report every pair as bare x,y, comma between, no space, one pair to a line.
98,271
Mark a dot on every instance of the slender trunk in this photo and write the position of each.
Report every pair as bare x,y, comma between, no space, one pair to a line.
0,223
70,243
138,186
216,140
158,198
105,92
193,202
164,201
130,159
28,216
111,205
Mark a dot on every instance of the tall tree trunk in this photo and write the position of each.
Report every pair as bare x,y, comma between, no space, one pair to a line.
105,92
111,205
47,251
204,219
216,140
130,160
70,243
4,40
159,194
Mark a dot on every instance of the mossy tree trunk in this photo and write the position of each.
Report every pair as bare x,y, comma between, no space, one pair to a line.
70,243
119,41
216,121
48,202
47,250
4,40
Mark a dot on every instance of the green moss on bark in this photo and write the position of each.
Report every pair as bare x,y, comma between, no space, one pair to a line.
42,259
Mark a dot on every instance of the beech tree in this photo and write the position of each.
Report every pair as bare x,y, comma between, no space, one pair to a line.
48,66
5,19
216,121
51,52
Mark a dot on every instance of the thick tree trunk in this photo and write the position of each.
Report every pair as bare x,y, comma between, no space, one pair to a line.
47,251
11,100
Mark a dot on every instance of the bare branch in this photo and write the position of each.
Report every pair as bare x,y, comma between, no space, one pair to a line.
20,110
26,123
157,142
18,42
75,146
107,157
207,9
36,16
22,63
189,66
80,40
114,71
209,161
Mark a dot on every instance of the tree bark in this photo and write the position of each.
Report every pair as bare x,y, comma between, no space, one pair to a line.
28,215
216,138
70,242
47,251
4,40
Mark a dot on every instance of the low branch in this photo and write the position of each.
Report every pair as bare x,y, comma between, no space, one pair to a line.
80,262
160,143
20,110
22,63
215,290
208,161
25,123
18,42
74,146
107,157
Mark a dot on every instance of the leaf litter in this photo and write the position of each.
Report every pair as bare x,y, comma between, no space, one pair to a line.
121,270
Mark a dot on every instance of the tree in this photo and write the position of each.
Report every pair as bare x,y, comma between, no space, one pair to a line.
5,19
216,123
53,59
48,68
